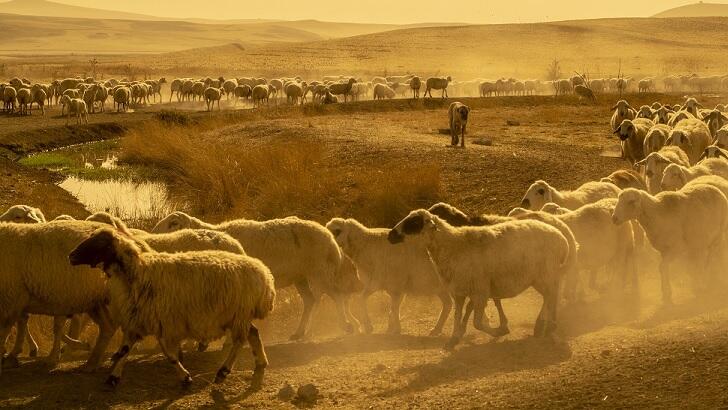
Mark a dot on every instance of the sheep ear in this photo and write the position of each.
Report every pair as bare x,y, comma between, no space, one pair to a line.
616,131
722,154
615,106
638,164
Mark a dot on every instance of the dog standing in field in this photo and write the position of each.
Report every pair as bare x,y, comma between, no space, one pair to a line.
458,114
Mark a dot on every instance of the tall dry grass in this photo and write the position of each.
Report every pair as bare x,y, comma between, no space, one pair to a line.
244,177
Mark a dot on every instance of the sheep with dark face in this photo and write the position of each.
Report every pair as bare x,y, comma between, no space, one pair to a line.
195,295
458,114
632,135
622,111
479,263
434,83
342,88
415,85
692,136
715,120
584,92
655,138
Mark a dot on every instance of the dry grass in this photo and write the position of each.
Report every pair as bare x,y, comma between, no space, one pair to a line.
287,176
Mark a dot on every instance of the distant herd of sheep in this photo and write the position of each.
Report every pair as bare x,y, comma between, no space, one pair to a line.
191,280
79,96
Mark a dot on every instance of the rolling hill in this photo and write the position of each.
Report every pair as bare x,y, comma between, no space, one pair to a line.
696,10
51,8
643,46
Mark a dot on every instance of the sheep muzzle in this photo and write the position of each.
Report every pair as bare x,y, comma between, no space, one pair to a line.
395,237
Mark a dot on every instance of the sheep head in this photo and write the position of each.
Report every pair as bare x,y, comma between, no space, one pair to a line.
340,229
673,178
678,138
713,151
450,214
645,112
23,214
419,222
622,107
99,249
537,195
626,130
173,222
629,206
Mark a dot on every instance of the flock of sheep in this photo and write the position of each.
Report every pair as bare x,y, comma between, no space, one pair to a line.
191,280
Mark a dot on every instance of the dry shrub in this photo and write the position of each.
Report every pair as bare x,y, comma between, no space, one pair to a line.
264,178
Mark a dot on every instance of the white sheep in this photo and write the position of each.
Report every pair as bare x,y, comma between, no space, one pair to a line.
481,263
715,121
23,214
541,193
692,136
678,116
458,114
632,135
655,138
37,279
662,115
398,270
382,91
298,252
197,295
676,176
622,111
721,138
655,164
687,227
626,178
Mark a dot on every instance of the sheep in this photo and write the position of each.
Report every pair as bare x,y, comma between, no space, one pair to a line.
632,135
645,85
39,96
458,114
342,88
77,107
329,98
692,105
715,121
23,214
584,92
294,92
122,98
406,268
714,151
541,193
679,116
9,96
37,279
64,217
655,138
259,93
692,136
434,83
229,87
457,218
614,246
721,138
24,99
479,263
622,111
197,295
298,252
655,165
662,115
382,91
645,111
626,178
213,95
563,87
415,85
676,176
685,226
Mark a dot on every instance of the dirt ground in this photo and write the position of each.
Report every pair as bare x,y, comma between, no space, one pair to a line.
614,350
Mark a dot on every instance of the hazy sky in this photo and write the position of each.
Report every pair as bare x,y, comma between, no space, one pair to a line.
391,11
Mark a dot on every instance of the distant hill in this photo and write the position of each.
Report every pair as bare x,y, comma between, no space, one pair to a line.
50,8
696,10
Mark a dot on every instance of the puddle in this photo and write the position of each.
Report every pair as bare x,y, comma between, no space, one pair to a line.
125,199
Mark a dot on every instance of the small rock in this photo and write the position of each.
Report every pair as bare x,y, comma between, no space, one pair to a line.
286,392
606,353
513,123
308,393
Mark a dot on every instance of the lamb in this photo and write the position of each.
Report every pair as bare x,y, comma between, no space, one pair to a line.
197,295
479,263
686,227
329,98
23,214
434,83
415,85
692,136
213,95
342,88
398,270
622,111
655,138
632,134
626,178
382,91
541,193
298,252
458,114
676,176
655,165
39,280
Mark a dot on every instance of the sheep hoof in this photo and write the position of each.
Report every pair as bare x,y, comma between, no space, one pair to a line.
450,345
501,331
222,374
33,353
435,332
113,381
202,347
187,382
10,362
538,328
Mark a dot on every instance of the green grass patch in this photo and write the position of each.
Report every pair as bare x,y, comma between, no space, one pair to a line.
50,160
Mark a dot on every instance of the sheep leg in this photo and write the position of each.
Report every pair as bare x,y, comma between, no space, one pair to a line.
551,299
170,348
239,337
78,323
309,302
444,312
478,305
32,345
361,301
22,334
665,278
395,327
54,356
462,137
106,331
4,332
347,326
502,329
459,327
120,358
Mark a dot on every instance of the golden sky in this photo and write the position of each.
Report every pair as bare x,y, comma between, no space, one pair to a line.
391,11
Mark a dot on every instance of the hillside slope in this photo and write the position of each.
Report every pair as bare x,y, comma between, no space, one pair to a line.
696,10
51,8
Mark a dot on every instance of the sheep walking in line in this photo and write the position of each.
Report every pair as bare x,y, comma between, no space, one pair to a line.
687,227
481,263
398,270
197,295
298,252
37,279
541,193
656,163
434,83
458,117
676,176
